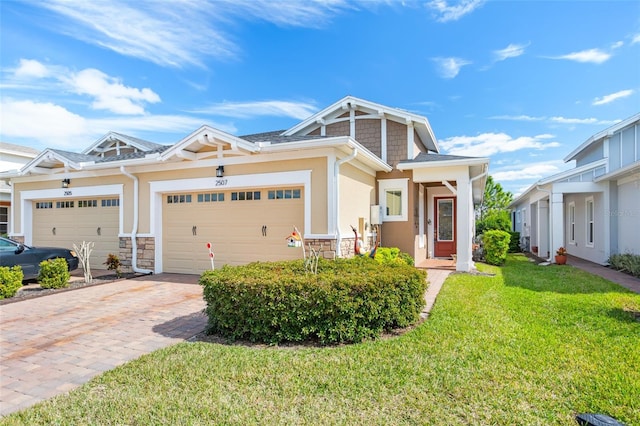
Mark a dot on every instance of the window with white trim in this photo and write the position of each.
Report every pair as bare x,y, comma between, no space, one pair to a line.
572,222
590,213
393,197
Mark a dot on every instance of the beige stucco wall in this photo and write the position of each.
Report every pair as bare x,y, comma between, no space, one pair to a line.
400,234
357,194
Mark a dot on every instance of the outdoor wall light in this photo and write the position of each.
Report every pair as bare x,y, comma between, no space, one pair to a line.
66,183
220,171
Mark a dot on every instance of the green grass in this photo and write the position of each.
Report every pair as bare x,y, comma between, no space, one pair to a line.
531,345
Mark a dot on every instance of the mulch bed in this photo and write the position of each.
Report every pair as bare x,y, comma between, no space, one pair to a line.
32,290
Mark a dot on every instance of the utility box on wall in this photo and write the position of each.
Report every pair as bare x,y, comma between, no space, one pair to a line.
375,215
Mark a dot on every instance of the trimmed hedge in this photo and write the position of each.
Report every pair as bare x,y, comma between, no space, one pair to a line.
496,246
54,273
10,281
514,243
346,301
393,255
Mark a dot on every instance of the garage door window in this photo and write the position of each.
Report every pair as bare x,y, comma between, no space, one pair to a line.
245,195
178,199
88,203
211,197
284,194
64,204
44,205
112,202
4,220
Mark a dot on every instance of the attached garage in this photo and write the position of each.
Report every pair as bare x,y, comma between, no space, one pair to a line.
65,222
243,226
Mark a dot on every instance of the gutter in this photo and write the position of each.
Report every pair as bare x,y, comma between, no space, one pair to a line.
336,172
134,230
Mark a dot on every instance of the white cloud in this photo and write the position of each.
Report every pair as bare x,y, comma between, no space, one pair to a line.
635,39
449,67
447,12
595,56
487,144
533,171
30,68
612,97
617,45
53,126
517,118
179,34
109,93
511,51
297,110
564,120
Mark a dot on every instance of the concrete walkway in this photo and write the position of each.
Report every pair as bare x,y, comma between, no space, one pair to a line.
52,344
625,280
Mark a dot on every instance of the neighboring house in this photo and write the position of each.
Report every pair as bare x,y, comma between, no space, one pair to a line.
355,163
592,210
12,157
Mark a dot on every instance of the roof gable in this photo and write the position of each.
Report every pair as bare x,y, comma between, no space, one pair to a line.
114,144
339,110
209,142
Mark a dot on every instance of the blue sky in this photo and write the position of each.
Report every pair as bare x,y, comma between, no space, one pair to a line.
520,82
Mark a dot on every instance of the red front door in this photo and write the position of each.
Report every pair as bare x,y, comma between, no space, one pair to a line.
445,226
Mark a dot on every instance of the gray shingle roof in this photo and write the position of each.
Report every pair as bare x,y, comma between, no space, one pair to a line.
74,156
424,157
132,155
276,137
150,146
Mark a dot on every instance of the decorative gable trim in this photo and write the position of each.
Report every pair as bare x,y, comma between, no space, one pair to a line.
208,142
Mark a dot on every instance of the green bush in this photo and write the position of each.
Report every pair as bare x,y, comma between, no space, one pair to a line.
346,301
54,274
494,220
10,281
387,255
514,242
496,246
629,263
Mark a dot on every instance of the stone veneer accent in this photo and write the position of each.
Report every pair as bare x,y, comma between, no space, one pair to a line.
329,246
146,253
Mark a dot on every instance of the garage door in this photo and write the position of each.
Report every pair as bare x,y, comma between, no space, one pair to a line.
62,223
243,226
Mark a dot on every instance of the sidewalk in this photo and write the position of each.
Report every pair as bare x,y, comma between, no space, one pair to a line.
625,280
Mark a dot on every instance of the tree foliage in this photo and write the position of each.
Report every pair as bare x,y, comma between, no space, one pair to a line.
495,198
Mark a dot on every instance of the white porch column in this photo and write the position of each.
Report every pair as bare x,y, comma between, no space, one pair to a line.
557,222
543,222
464,226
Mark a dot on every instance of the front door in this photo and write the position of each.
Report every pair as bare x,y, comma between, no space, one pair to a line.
445,227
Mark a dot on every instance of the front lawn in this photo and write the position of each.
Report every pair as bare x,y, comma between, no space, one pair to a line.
530,345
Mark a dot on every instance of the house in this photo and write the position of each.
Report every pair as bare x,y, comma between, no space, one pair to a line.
158,207
12,157
593,210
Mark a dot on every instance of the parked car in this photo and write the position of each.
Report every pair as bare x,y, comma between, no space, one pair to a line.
28,258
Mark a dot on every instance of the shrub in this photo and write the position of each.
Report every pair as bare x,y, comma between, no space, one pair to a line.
346,301
494,220
54,273
629,263
514,242
10,281
387,255
496,246
113,264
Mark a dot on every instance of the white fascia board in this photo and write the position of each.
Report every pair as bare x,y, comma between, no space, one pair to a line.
429,164
628,169
364,154
603,134
48,155
572,172
209,131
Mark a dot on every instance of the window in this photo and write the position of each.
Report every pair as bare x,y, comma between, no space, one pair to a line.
211,197
572,222
283,194
393,199
64,204
44,205
4,220
178,199
88,203
111,202
245,195
590,222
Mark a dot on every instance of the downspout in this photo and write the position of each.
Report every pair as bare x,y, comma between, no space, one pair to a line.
336,171
550,236
134,230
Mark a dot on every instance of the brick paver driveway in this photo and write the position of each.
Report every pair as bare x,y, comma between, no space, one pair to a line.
52,344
